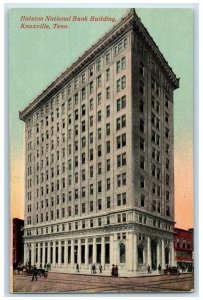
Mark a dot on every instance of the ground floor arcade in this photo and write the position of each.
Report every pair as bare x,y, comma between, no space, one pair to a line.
131,251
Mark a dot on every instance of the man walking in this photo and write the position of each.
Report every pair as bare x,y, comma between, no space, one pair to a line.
34,275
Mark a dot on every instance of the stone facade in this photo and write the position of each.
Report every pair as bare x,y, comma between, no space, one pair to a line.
99,158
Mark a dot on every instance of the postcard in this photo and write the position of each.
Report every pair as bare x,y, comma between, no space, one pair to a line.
101,150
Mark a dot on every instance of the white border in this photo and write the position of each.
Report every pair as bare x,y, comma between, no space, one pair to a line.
198,107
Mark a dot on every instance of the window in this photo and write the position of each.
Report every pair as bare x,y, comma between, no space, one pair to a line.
83,93
83,126
108,165
83,141
99,133
108,92
83,110
83,174
99,116
83,208
107,111
121,122
108,129
122,253
108,147
121,103
83,158
121,160
91,104
91,87
91,171
91,154
99,150
142,182
91,189
99,186
83,78
121,141
142,200
76,209
99,204
91,121
91,206
98,65
108,184
99,98
108,202
107,74
107,57
99,81
91,71
99,168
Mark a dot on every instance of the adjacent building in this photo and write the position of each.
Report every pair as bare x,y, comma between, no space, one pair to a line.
100,158
18,246
184,249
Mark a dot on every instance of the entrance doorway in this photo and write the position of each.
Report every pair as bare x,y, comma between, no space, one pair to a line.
154,254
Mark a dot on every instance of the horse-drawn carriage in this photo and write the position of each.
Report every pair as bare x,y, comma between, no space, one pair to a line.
28,270
170,271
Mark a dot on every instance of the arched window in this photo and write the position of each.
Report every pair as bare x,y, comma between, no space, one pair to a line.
140,254
122,253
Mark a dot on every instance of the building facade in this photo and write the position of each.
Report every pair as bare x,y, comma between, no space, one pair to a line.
99,158
18,247
184,249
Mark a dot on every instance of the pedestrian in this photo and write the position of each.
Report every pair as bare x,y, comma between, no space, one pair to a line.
113,270
159,269
148,269
34,274
92,269
77,268
95,269
116,271
100,269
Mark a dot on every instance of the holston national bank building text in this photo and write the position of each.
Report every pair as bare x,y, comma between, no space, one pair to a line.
100,160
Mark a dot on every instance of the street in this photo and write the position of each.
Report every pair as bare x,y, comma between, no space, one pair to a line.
76,283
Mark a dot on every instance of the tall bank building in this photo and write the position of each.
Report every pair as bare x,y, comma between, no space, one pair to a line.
99,158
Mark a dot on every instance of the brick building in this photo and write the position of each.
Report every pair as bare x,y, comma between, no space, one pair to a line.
18,247
183,246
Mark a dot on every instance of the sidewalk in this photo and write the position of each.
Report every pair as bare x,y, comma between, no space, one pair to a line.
107,273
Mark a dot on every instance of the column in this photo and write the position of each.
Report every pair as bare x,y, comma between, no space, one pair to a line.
86,253
158,253
59,254
32,254
115,250
111,250
54,253
172,254
149,259
103,252
94,251
38,255
72,254
135,252
163,264
65,253
25,253
48,253
43,255
79,252
144,254
130,252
